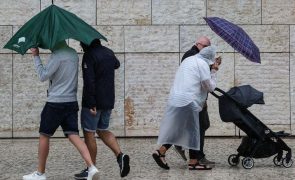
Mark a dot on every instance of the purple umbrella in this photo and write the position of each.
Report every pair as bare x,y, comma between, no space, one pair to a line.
234,36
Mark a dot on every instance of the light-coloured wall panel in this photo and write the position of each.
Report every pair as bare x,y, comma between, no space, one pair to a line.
151,39
15,12
6,95
148,78
84,9
292,38
189,35
123,12
114,34
178,12
272,78
269,38
5,35
117,122
292,91
225,80
29,96
278,12
238,12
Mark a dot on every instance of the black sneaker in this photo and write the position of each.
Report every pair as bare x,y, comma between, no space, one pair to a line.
123,161
82,175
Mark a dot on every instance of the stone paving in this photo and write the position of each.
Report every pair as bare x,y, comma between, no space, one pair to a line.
19,157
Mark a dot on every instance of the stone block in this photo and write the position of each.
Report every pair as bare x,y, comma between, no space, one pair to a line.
269,38
6,95
189,35
14,12
5,35
114,34
272,78
148,79
238,12
29,96
123,12
278,12
117,123
178,12
292,38
225,80
151,39
84,9
292,91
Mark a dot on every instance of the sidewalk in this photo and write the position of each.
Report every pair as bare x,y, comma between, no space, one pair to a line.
19,157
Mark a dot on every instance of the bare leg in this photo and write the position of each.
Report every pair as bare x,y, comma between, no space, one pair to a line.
91,144
82,148
162,149
43,151
110,140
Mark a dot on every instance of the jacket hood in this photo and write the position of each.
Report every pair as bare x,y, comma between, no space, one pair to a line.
208,54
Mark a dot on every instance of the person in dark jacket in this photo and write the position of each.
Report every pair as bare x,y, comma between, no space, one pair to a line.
98,66
201,43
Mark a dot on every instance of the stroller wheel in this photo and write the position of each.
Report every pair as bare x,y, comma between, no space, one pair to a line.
277,162
247,163
233,160
287,164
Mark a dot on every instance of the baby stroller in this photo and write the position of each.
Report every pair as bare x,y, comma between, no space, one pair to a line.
260,142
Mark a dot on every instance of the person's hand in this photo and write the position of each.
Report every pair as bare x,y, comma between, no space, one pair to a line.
215,66
35,51
93,111
218,60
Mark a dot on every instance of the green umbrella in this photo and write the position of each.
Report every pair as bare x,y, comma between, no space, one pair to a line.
49,27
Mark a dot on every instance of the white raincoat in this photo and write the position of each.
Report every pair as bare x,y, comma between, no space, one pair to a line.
193,80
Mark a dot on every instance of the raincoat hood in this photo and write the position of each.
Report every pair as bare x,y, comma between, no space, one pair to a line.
208,54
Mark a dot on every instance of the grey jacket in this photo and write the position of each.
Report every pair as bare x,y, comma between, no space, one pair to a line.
62,73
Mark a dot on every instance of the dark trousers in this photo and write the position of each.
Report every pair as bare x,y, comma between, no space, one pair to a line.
204,125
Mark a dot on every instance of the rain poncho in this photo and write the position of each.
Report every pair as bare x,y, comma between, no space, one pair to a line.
193,80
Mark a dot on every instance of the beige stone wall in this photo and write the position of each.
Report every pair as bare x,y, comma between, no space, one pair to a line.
149,37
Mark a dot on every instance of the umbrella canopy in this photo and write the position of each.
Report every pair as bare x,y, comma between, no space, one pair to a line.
235,36
49,27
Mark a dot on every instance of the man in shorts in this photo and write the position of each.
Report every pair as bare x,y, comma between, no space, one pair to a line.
61,108
98,66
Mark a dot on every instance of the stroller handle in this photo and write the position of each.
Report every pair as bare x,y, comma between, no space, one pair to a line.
219,90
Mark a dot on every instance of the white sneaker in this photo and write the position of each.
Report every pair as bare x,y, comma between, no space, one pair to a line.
34,176
93,173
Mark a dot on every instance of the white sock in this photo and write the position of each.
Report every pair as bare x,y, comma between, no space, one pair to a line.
92,167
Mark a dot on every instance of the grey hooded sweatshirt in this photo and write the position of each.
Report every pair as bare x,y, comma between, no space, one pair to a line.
62,73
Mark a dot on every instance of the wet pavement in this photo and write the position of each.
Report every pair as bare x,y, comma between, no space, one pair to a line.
19,157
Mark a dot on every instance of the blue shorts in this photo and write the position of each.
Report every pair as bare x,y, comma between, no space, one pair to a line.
59,114
92,123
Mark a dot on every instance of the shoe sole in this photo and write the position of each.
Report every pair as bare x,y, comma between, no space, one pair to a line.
125,165
80,177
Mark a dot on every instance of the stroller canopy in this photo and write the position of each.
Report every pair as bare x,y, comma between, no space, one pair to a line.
246,95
